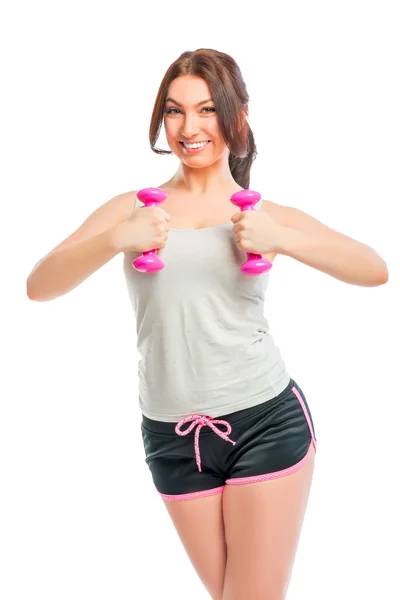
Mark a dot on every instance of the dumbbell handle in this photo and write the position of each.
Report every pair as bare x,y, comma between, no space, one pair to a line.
255,264
149,262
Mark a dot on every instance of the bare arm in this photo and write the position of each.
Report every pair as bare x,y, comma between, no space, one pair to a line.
90,247
313,243
337,255
63,270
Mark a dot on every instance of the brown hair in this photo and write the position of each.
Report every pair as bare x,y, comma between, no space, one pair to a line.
230,96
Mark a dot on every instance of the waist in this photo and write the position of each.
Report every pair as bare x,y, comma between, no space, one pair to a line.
202,374
171,403
234,413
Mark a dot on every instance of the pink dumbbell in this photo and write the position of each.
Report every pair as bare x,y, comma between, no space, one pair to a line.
255,264
149,262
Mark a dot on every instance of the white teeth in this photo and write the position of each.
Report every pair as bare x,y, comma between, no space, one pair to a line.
199,145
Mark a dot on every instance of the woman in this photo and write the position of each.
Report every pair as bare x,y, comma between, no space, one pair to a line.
228,435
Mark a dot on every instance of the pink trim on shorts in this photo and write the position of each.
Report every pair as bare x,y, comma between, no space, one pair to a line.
303,406
276,475
202,494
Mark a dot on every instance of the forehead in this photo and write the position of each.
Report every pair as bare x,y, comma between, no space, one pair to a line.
189,89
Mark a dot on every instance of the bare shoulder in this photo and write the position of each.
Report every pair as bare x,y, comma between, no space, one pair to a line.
124,203
109,214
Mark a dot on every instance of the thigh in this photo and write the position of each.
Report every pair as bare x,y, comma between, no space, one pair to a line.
262,528
199,524
193,499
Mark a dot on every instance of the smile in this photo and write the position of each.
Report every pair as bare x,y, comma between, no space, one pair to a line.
195,147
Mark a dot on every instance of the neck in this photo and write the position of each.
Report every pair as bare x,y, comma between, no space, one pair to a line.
204,180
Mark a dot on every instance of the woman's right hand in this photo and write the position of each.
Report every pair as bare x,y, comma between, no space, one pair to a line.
145,229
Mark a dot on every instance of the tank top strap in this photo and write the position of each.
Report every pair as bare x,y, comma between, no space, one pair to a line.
259,204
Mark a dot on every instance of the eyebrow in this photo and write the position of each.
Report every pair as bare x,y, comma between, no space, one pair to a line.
198,104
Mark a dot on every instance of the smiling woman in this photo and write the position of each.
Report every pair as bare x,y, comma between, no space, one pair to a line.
194,129
228,434
191,146
197,107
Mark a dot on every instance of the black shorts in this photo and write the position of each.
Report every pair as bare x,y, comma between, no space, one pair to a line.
201,454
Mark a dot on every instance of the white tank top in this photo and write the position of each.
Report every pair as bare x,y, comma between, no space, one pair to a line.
203,340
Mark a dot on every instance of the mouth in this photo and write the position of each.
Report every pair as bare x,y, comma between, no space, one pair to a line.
198,147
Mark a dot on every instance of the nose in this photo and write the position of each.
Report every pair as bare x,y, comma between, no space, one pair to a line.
190,127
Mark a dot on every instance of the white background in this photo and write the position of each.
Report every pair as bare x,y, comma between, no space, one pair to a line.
79,516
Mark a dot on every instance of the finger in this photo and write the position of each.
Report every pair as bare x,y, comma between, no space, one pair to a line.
236,217
239,231
240,225
166,215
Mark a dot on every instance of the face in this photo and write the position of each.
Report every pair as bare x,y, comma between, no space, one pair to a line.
189,118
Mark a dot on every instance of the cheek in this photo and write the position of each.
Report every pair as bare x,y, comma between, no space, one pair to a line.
215,131
171,127
214,128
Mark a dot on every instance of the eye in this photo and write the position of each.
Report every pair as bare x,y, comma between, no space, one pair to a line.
209,109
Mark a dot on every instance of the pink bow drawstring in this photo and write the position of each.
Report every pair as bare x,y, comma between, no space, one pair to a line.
202,421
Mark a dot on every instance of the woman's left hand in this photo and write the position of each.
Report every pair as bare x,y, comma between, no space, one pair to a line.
255,231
